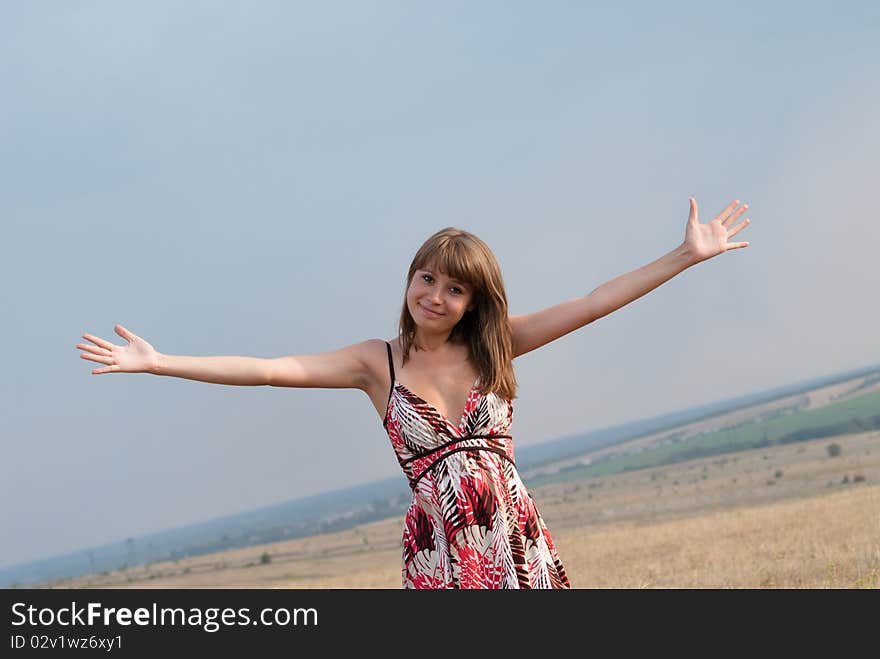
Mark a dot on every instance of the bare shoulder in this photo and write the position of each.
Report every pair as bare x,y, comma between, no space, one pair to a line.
370,357
517,329
374,353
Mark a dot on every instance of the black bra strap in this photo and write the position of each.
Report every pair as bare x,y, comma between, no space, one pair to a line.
390,369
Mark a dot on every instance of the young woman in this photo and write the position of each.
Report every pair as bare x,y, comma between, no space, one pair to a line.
444,388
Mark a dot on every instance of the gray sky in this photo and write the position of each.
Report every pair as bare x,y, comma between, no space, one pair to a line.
254,179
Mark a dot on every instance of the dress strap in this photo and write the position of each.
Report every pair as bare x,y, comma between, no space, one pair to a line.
391,370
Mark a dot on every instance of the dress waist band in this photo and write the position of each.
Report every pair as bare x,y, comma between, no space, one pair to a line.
503,449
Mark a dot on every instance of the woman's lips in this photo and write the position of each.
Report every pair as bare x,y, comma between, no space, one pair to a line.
429,313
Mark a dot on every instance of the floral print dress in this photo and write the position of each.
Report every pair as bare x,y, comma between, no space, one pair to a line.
471,524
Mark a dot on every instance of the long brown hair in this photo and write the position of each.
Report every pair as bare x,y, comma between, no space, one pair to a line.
485,329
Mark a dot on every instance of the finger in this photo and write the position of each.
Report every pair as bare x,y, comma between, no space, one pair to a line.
733,216
737,245
97,358
692,215
739,227
727,209
97,341
124,333
93,349
109,369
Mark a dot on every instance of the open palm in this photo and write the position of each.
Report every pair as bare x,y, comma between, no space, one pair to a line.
137,356
704,241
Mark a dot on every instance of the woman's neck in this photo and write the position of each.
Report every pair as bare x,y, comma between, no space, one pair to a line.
431,342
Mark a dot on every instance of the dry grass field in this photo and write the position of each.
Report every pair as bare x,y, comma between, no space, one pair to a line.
781,517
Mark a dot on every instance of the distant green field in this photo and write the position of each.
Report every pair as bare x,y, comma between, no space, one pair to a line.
854,415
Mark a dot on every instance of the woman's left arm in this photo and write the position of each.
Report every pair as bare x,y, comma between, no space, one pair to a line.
701,242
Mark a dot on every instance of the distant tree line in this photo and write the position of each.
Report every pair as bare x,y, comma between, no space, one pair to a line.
843,428
684,453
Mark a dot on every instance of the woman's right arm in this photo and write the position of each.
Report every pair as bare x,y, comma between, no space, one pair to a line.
348,367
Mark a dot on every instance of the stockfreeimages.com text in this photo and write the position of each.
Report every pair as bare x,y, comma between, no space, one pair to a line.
210,619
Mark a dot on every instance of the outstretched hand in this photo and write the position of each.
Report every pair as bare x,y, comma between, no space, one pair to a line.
703,241
137,356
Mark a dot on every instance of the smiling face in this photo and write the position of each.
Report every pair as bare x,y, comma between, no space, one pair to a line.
454,294
436,301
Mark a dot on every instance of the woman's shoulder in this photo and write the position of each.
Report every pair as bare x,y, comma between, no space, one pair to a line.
373,349
374,353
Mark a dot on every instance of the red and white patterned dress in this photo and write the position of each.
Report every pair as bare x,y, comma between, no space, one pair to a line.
471,524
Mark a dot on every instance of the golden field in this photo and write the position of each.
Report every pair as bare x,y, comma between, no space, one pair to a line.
781,517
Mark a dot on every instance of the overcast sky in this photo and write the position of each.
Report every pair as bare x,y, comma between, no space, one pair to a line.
254,179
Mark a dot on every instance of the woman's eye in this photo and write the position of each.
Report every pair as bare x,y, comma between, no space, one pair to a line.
456,290
427,278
